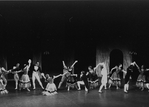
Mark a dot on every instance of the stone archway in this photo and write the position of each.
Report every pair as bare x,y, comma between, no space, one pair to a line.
116,57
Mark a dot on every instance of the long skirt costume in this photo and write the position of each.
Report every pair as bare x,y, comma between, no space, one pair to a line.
25,80
104,75
141,78
115,78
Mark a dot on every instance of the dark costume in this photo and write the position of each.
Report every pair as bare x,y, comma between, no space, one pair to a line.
93,80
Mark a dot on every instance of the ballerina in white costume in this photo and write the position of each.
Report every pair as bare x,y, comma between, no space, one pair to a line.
104,77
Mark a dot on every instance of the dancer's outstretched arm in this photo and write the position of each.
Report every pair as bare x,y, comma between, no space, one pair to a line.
112,69
17,71
64,65
96,66
124,71
74,75
137,66
5,71
42,74
57,76
74,64
29,63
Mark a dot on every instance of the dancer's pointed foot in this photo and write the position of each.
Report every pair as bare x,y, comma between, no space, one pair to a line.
100,91
125,91
86,89
79,89
28,89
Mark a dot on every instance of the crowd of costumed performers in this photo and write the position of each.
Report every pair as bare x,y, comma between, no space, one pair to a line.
86,79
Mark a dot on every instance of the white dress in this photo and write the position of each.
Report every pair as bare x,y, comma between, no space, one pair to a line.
104,75
50,88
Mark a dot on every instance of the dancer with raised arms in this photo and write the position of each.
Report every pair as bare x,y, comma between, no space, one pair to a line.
51,87
25,80
66,72
128,75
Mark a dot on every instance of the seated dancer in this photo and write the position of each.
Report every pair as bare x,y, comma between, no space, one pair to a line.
35,75
66,72
141,78
25,80
83,81
51,87
104,76
15,71
115,77
71,81
129,74
3,81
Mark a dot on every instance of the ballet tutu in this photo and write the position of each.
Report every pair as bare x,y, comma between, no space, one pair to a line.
51,87
25,81
48,93
141,78
115,79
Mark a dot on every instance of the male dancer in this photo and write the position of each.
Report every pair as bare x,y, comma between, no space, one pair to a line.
128,75
35,75
15,71
83,81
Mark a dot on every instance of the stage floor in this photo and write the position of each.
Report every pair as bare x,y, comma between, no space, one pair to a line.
74,98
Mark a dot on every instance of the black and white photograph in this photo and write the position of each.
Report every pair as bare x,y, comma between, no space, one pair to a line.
74,53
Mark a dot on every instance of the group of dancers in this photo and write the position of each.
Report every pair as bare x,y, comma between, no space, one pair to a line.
113,78
23,82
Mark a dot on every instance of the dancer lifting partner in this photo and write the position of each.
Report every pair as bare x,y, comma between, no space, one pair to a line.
66,72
